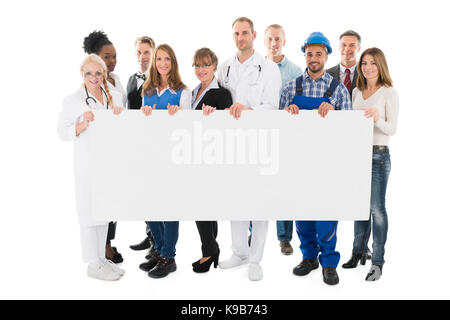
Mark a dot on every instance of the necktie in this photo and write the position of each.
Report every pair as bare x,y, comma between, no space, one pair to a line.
347,81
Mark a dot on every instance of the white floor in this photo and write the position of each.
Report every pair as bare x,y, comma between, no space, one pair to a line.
51,268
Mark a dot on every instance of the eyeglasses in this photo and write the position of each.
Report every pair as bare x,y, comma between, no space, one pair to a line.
93,75
197,66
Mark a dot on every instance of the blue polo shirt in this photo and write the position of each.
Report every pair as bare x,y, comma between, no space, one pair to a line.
289,71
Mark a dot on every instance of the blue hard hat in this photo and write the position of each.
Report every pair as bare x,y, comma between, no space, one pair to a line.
317,38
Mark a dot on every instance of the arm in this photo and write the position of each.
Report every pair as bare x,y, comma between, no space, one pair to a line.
224,100
118,102
344,102
67,120
389,125
217,99
186,99
185,103
287,95
71,122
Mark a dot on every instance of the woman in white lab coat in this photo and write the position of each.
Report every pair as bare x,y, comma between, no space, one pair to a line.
73,124
97,42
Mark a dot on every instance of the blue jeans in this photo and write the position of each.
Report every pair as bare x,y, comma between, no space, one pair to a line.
165,235
284,230
381,167
319,236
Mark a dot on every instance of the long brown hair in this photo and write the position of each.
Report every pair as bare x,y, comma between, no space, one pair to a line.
384,78
154,78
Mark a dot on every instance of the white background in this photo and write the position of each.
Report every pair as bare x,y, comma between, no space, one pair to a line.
41,49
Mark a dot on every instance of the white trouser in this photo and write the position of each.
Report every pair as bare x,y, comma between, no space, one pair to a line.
93,242
239,240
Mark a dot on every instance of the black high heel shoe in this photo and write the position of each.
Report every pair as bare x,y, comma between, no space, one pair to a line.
353,262
196,263
204,267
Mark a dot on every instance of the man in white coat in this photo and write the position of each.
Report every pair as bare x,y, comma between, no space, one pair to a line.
255,84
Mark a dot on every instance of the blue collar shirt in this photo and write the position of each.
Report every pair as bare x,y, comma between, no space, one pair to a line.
289,71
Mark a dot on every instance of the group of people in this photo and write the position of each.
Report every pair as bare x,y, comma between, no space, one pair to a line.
246,81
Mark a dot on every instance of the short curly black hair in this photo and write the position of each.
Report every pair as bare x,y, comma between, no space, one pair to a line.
94,42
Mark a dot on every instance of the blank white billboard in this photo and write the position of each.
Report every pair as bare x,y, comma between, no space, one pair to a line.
268,165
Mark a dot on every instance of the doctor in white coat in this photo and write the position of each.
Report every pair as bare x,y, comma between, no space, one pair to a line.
255,84
73,125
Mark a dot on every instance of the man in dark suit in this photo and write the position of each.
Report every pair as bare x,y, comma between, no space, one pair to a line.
144,51
345,72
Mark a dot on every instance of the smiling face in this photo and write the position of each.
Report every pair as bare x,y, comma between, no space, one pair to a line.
369,67
93,75
349,48
163,63
205,71
243,35
108,54
316,57
274,41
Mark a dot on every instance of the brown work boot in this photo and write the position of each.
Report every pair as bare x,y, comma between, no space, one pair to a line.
286,248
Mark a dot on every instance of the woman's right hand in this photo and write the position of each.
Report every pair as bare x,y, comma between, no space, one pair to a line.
88,116
207,110
148,110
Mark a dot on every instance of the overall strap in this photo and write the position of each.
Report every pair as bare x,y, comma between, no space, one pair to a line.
298,86
331,89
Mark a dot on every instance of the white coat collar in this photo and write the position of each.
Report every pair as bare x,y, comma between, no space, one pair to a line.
256,59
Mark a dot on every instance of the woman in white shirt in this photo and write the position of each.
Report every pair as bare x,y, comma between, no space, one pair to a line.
97,42
375,94
73,124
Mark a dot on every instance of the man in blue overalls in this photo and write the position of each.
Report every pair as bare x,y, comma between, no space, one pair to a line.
316,89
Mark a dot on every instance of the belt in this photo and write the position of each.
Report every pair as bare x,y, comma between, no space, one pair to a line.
380,148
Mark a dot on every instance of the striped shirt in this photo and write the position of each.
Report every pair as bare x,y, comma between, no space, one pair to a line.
340,99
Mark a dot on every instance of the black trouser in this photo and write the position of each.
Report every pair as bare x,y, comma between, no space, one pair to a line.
208,235
111,232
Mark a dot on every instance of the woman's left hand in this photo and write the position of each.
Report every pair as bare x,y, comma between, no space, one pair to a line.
173,109
207,110
371,113
117,110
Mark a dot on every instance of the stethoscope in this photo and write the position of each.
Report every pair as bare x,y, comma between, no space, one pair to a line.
227,78
89,98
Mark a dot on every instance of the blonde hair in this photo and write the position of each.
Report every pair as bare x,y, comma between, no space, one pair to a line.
154,79
384,78
145,39
93,58
276,26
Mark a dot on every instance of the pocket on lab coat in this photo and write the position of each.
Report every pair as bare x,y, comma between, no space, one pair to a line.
254,94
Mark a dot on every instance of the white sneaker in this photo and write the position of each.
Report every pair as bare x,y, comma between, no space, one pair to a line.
255,272
116,269
232,262
103,271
